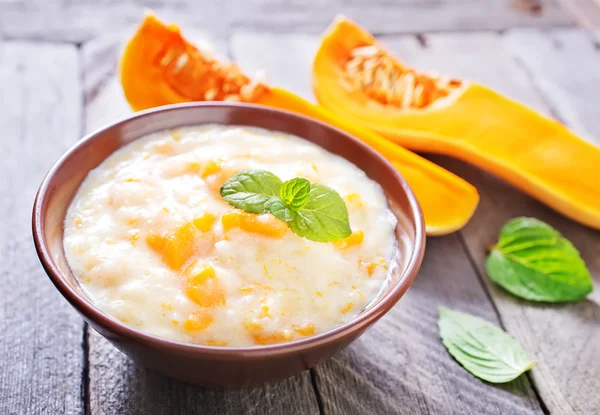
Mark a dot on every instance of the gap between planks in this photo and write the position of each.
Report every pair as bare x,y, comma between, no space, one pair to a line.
513,87
85,343
253,51
123,386
563,386
40,351
81,21
482,277
350,364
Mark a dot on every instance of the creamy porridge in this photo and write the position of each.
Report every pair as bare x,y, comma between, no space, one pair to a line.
155,245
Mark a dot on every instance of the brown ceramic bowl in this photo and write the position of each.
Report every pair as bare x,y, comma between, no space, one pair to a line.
222,366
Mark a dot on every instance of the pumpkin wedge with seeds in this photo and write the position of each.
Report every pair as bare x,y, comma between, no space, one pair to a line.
160,67
355,77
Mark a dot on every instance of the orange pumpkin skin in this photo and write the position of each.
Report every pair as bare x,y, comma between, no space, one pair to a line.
474,123
144,79
447,201
150,77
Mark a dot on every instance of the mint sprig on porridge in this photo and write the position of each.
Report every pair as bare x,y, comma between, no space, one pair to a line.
311,210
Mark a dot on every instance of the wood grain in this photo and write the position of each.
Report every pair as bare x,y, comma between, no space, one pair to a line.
571,83
116,384
41,354
400,366
256,52
120,386
564,339
82,20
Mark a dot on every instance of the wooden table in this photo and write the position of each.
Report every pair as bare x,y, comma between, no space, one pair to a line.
57,81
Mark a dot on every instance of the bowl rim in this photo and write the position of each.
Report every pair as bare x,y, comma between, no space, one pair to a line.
85,306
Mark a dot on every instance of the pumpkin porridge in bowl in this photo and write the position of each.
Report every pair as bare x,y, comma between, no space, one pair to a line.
155,243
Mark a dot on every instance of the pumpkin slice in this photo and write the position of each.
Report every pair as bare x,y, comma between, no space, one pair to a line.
359,80
160,67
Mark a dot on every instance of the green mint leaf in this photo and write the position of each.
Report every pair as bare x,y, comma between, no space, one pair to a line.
315,212
324,217
251,190
295,192
280,210
533,261
485,350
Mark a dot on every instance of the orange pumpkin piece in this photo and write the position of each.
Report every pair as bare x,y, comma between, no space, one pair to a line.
354,76
347,308
204,289
175,248
272,338
355,199
198,321
160,67
205,222
262,336
265,225
355,238
369,266
210,167
305,329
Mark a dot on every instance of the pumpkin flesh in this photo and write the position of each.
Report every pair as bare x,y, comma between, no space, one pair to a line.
358,79
159,67
447,201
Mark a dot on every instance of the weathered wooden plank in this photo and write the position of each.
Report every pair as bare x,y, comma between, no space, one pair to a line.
427,53
399,366
256,52
84,19
41,354
116,384
563,338
120,386
572,82
384,16
101,82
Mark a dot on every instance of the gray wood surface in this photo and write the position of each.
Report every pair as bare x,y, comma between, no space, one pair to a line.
116,384
571,87
120,386
565,339
65,84
400,365
81,20
522,64
41,354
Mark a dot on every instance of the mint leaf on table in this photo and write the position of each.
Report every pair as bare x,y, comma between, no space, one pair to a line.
534,261
251,190
294,193
483,349
313,211
324,217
